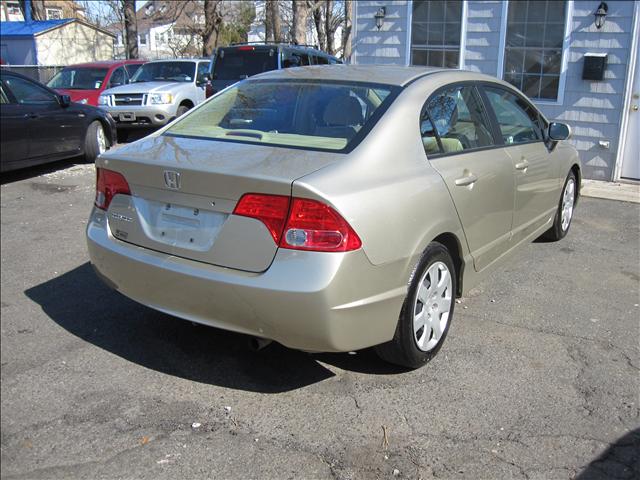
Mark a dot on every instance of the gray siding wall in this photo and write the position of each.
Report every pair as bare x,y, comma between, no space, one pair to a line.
387,46
593,109
483,37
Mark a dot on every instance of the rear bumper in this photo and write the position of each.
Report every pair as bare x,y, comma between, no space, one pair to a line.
305,300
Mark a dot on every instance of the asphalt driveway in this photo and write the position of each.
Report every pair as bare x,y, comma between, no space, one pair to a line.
539,376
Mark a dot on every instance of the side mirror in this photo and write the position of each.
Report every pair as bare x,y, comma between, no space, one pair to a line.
64,100
559,131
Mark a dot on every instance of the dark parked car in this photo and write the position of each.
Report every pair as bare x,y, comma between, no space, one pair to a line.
239,61
39,125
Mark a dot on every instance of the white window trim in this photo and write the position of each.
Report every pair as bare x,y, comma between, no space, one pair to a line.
565,51
463,35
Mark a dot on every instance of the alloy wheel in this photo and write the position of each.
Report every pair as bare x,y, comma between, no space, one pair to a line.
432,306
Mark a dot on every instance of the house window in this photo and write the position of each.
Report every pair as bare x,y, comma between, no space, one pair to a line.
13,9
533,48
54,13
119,40
142,39
435,33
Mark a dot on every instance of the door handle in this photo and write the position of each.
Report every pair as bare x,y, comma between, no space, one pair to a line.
30,115
468,180
522,165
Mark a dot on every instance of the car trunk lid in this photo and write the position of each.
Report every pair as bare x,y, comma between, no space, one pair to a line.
184,190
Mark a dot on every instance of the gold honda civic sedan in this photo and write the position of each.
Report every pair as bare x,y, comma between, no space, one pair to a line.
333,208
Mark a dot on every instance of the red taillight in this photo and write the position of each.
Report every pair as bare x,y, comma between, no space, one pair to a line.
312,225
109,184
246,48
299,223
269,209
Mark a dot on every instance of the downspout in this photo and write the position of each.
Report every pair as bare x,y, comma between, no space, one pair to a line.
28,20
27,11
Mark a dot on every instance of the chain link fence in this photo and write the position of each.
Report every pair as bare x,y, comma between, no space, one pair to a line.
41,73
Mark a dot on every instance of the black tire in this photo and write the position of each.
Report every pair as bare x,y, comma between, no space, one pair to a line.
556,232
403,348
91,145
182,109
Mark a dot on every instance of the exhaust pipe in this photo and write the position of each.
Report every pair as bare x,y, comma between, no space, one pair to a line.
257,343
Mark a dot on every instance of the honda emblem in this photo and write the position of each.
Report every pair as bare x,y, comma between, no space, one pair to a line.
172,179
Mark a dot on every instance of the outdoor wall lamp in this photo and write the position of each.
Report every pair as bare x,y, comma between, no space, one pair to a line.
600,14
379,16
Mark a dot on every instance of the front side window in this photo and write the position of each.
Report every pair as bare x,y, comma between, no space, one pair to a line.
78,78
533,49
519,122
309,114
28,93
454,120
118,77
165,71
435,33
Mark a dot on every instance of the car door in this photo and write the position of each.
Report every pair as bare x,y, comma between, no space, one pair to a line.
522,134
54,131
13,135
461,145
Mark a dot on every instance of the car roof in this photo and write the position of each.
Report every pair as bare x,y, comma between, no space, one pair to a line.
288,46
386,74
383,74
105,63
181,60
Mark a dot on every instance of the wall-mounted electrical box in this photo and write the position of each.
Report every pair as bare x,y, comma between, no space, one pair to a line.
594,66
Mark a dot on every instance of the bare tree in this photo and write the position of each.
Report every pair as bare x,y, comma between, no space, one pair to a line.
131,28
317,19
212,25
273,29
328,22
347,30
300,21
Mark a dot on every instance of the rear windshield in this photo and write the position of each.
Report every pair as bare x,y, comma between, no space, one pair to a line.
304,114
236,64
165,71
78,78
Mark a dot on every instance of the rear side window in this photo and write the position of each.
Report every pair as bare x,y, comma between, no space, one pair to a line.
28,93
518,121
454,120
302,114
237,63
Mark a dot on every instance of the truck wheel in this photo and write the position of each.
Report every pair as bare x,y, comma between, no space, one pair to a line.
182,109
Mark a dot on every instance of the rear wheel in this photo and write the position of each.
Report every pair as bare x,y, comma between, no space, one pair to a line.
426,313
564,214
95,141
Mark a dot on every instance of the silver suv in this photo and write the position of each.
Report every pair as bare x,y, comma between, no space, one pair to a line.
159,92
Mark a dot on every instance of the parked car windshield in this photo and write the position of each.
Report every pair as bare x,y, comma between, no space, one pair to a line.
165,71
307,114
79,78
237,63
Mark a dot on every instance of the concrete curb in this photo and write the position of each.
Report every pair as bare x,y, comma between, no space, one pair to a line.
624,192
